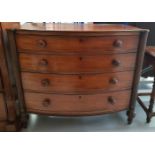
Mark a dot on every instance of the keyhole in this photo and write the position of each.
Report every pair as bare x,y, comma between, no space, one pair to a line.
80,97
80,58
80,77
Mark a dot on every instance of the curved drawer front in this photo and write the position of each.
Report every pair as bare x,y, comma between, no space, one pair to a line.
2,108
77,104
82,44
73,83
77,64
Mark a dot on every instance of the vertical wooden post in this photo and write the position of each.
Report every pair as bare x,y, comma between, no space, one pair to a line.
139,63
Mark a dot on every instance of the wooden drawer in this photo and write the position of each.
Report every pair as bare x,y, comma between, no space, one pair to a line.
2,108
77,104
82,44
77,64
73,83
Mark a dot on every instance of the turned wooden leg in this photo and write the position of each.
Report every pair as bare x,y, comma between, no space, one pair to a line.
131,114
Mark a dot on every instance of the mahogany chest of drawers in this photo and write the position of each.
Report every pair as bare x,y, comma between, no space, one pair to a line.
77,70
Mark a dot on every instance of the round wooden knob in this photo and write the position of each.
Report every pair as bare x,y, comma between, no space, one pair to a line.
111,100
42,43
113,81
45,82
43,62
46,102
118,43
116,62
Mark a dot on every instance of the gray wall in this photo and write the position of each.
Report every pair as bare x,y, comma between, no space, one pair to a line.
151,27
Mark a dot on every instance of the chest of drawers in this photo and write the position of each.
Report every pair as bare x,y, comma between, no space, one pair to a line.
77,70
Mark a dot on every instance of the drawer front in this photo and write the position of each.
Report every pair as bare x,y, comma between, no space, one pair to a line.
77,104
43,43
73,83
77,64
2,108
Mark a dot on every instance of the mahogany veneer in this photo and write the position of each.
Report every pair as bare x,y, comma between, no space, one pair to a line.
69,69
48,63
77,83
76,44
77,104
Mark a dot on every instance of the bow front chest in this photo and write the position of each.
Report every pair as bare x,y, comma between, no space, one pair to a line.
77,70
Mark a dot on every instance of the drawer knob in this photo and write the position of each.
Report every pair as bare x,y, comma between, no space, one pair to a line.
116,63
113,81
118,43
46,102
111,100
43,62
45,82
42,43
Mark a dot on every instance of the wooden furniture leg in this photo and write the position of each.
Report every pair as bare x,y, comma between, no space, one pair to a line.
152,99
